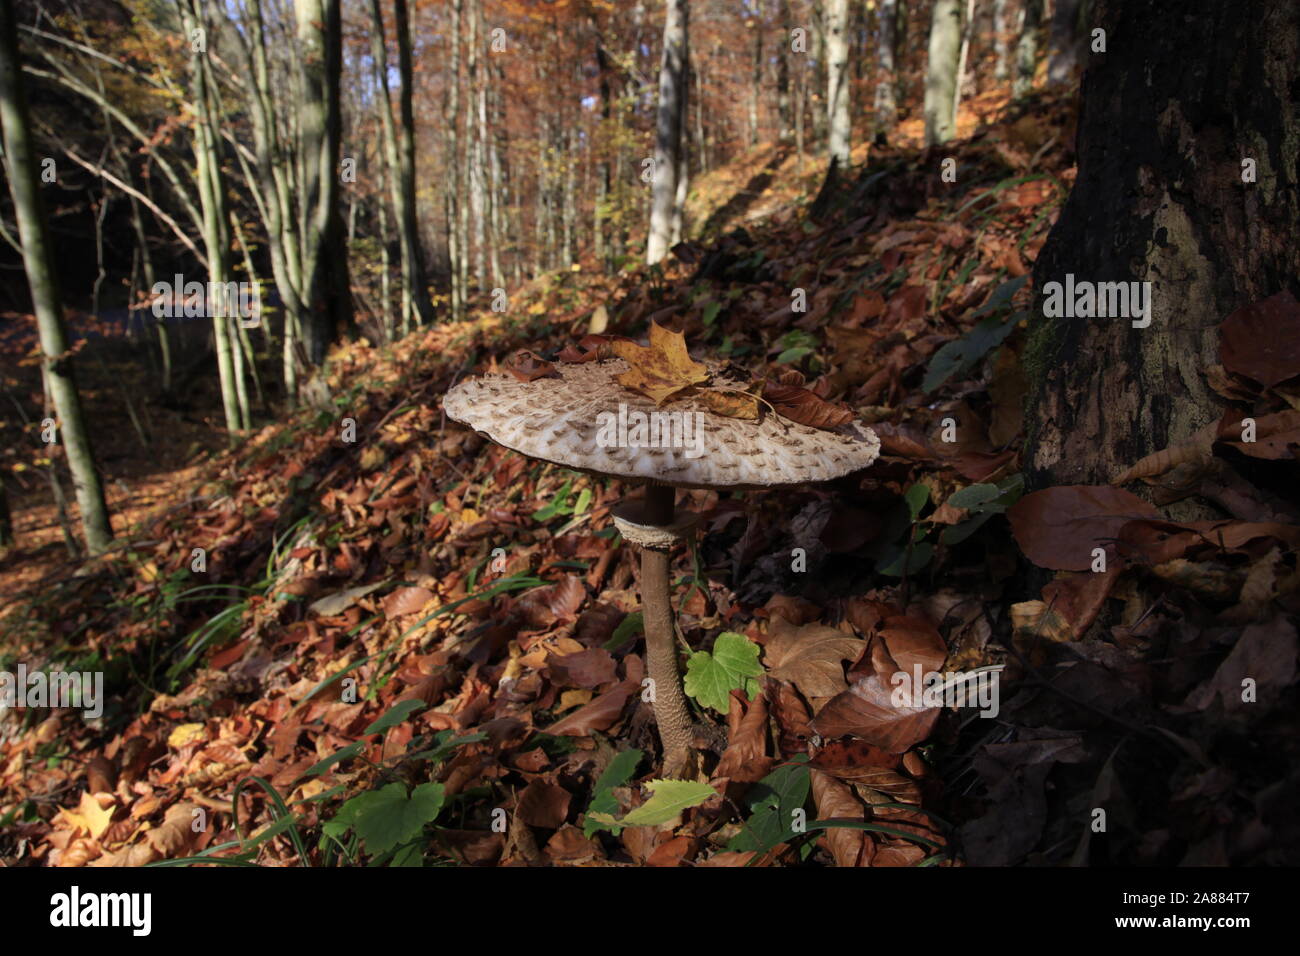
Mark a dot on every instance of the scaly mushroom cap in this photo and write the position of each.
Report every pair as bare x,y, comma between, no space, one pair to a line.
576,421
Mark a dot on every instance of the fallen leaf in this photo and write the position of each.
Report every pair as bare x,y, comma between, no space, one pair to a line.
528,367
661,370
810,657
1059,527
1262,340
802,406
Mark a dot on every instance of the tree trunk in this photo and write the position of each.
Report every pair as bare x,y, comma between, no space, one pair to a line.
1027,48
784,106
324,262
1163,201
216,235
7,539
668,128
408,222
1001,70
941,72
838,121
38,261
886,104
1063,58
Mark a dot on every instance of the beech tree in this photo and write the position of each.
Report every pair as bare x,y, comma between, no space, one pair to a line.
838,121
1210,231
668,129
399,158
941,72
38,261
1067,38
1027,48
886,102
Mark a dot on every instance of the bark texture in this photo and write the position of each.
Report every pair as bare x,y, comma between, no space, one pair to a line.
1160,197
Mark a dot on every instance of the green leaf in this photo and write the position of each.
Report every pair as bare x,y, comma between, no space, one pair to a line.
733,664
711,313
628,628
772,802
386,818
916,497
974,497
960,355
344,753
584,502
559,505
920,556
395,715
790,356
1001,298
669,798
604,803
958,533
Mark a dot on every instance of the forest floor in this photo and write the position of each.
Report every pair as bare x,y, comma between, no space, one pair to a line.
350,670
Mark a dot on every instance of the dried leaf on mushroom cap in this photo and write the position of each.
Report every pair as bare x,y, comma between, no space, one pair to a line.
560,420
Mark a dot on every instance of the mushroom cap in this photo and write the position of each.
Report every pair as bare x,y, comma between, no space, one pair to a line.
576,421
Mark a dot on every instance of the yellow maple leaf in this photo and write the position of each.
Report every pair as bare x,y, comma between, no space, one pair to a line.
90,816
184,734
661,370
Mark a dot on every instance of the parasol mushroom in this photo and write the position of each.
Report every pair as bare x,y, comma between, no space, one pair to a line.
582,418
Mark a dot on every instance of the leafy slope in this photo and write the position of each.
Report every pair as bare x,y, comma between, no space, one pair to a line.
416,647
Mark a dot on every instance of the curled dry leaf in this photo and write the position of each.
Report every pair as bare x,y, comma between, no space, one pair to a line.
591,348
802,406
527,366
835,801
867,709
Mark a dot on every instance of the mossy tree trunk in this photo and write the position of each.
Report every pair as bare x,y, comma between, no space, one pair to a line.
1169,114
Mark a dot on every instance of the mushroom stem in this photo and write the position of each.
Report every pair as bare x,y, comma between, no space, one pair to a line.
671,714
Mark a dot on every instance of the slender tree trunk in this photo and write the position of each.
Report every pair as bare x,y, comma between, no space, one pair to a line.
38,261
967,30
668,128
392,164
7,539
784,105
1027,48
1063,57
886,103
755,85
415,276
324,262
838,120
1001,69
1162,200
941,72
216,236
